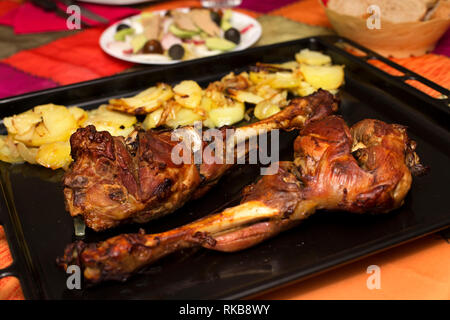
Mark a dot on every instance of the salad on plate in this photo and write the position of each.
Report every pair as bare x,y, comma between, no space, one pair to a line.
180,34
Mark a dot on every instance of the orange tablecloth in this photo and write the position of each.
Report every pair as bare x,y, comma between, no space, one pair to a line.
418,270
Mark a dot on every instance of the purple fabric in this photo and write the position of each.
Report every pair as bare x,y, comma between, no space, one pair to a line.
264,6
443,46
14,82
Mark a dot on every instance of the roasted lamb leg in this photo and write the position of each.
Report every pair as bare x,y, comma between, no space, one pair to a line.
115,180
365,169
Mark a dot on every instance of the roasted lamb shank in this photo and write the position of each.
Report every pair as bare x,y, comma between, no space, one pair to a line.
365,169
115,180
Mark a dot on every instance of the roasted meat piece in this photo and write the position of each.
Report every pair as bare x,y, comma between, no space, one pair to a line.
365,169
115,180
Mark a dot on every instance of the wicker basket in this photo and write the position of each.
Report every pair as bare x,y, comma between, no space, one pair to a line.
392,39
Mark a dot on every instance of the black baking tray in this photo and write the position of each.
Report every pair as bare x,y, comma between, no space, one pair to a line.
38,227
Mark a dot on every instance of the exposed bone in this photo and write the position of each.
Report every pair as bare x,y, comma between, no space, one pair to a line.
136,180
324,175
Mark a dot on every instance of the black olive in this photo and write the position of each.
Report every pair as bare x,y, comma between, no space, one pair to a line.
176,52
215,17
122,26
152,46
233,35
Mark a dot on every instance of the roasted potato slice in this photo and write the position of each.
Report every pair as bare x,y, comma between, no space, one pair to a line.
290,65
235,81
269,107
27,153
261,77
43,124
215,97
245,96
265,109
207,103
325,77
153,120
22,123
314,58
266,91
227,115
79,114
277,80
144,102
183,117
57,124
305,89
188,94
209,123
116,123
284,80
54,155
8,150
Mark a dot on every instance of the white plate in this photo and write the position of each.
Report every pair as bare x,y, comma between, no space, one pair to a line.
117,2
238,21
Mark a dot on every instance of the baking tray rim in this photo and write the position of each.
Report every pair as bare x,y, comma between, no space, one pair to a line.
282,280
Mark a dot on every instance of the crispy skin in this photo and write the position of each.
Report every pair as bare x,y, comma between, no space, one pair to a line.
114,181
325,174
375,177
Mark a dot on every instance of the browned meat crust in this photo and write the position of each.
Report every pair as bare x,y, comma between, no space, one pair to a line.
114,181
365,169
